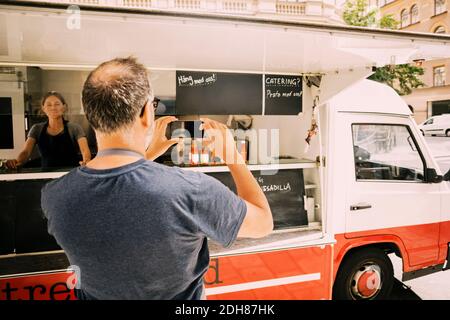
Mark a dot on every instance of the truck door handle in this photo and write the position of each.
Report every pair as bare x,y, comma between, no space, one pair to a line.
360,206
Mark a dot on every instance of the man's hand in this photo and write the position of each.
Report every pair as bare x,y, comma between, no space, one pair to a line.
160,143
221,141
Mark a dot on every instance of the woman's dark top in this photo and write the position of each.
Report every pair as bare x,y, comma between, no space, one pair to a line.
60,150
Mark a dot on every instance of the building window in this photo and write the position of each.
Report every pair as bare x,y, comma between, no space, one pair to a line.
439,76
414,14
404,18
440,30
439,7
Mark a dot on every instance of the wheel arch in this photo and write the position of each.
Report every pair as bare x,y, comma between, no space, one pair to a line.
388,244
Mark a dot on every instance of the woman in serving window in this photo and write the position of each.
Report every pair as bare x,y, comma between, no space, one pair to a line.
59,140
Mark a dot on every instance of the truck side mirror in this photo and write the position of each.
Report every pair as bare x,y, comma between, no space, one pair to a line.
361,154
431,176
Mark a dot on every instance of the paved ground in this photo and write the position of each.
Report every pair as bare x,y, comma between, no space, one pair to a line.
432,287
435,286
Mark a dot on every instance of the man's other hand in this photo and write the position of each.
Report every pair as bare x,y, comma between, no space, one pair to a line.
220,139
160,143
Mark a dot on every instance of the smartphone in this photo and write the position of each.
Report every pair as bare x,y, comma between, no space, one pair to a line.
185,129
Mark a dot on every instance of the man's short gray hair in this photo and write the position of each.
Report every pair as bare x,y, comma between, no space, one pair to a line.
114,94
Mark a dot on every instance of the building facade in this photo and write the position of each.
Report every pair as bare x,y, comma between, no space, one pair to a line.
321,11
425,16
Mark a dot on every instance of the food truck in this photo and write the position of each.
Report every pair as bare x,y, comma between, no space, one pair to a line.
346,171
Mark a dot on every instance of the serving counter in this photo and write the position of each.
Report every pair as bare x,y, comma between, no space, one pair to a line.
26,247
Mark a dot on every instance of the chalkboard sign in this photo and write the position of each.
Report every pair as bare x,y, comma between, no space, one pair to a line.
6,123
283,95
22,222
218,93
285,192
7,218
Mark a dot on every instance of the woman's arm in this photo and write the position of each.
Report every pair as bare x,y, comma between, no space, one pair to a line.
23,155
85,151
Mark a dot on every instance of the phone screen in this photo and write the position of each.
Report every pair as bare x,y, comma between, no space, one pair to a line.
185,129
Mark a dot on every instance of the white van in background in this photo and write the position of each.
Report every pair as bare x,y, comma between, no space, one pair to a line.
437,125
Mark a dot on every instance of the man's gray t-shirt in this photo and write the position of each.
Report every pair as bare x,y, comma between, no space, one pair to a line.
139,231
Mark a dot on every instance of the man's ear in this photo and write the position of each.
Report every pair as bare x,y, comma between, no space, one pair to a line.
148,116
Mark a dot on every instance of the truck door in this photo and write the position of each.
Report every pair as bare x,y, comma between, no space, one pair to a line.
386,191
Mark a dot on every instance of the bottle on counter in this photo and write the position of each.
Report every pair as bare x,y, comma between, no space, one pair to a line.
195,152
213,159
204,155
241,146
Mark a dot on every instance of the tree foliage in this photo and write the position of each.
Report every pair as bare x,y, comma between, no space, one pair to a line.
402,78
357,13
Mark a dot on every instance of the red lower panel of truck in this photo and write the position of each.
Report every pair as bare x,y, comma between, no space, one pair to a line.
48,286
299,273
420,246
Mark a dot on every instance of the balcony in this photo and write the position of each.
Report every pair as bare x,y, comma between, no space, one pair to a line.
301,10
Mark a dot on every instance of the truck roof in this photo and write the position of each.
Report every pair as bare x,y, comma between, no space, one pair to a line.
204,42
369,96
40,34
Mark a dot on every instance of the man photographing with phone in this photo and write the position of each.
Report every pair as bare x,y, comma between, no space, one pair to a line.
135,228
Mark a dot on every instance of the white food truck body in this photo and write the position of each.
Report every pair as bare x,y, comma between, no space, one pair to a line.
369,200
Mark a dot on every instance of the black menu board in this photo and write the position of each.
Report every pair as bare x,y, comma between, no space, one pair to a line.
6,123
7,218
282,95
23,227
218,93
285,191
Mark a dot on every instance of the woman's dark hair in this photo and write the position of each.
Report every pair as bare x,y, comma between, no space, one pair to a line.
53,94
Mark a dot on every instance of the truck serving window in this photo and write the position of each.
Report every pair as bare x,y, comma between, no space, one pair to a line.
386,152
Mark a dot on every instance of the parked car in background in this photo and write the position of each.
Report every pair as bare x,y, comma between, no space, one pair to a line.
437,125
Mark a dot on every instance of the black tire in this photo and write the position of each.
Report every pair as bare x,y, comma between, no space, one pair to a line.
447,133
345,286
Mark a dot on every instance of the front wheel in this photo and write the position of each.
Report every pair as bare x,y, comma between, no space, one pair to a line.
447,133
366,274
